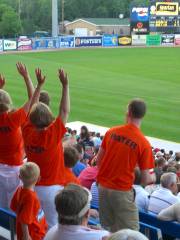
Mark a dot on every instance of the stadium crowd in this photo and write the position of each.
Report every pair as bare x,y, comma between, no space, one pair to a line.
51,176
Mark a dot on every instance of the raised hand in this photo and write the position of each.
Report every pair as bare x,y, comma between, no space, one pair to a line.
2,81
63,77
22,70
40,77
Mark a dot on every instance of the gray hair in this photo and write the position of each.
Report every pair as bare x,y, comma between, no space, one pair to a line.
167,179
127,234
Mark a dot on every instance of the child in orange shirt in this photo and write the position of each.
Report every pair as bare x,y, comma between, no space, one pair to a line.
71,156
31,223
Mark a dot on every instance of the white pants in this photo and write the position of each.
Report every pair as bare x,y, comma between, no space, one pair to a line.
46,196
9,182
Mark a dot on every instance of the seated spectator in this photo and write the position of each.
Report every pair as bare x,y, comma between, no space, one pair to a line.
159,169
72,205
171,213
142,197
80,166
97,140
164,197
127,234
31,222
70,158
95,195
88,176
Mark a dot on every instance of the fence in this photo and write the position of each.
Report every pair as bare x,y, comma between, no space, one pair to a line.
24,44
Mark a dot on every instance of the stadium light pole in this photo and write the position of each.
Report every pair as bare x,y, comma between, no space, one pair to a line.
54,18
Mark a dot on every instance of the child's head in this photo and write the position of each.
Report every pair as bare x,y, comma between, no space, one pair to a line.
40,115
44,97
29,173
71,156
5,101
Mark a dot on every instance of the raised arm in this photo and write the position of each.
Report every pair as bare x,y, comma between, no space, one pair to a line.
64,107
2,81
25,74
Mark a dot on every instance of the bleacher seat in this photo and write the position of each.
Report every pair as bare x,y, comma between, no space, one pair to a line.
8,221
167,227
152,233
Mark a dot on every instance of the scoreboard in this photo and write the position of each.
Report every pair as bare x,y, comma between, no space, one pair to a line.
164,16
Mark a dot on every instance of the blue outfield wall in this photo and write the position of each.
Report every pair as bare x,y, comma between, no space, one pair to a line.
24,44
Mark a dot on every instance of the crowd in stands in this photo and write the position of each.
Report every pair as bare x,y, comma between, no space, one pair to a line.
51,176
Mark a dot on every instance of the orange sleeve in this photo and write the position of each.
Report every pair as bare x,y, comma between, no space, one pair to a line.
26,214
58,129
146,160
18,117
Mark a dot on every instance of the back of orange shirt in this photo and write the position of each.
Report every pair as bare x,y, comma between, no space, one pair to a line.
70,177
125,148
11,142
44,147
27,207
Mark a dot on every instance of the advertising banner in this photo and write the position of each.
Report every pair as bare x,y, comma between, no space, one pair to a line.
45,43
167,39
66,42
9,45
124,40
140,20
88,41
153,40
110,40
139,40
24,44
177,39
1,45
167,8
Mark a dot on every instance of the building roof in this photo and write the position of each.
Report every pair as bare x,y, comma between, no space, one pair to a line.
107,21
104,21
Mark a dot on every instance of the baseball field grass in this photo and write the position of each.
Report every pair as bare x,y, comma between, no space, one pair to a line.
102,81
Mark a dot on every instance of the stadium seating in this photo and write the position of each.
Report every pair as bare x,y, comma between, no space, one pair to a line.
150,231
167,227
7,221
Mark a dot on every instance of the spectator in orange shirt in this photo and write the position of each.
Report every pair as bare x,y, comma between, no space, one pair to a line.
11,142
30,222
123,148
43,145
71,157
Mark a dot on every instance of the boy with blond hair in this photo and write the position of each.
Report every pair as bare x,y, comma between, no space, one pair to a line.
31,223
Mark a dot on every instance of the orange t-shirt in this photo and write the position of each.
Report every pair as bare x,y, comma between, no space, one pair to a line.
11,141
125,147
44,147
70,177
26,205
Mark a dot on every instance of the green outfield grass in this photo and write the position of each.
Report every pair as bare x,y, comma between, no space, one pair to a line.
102,81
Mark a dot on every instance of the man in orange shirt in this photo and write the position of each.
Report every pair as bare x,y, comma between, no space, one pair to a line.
42,136
123,148
30,223
11,142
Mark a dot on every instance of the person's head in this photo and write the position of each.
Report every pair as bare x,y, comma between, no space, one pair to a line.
127,234
160,162
80,148
29,174
170,152
71,156
177,156
84,132
137,174
44,98
169,181
136,110
41,115
5,101
72,205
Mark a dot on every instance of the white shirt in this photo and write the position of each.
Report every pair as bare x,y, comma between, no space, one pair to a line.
142,198
74,232
161,199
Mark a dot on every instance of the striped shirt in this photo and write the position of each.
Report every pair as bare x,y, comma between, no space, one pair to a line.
95,195
161,199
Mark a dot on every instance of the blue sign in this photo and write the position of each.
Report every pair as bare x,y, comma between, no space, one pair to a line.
110,40
45,43
140,14
88,41
66,42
